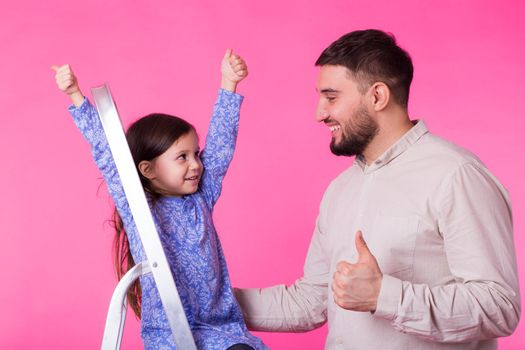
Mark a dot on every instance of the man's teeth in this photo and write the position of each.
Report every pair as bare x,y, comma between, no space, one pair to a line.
335,128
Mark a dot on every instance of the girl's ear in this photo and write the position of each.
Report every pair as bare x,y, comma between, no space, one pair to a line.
146,169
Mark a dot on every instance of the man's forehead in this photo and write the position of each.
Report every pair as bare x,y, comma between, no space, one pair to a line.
336,69
332,78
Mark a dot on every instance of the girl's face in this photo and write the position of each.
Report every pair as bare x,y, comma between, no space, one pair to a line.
176,172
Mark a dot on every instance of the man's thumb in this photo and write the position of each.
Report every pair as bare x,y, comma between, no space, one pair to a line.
362,249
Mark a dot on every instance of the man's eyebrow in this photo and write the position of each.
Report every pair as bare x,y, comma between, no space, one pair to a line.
329,90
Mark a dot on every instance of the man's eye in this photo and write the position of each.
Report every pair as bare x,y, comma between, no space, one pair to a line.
330,98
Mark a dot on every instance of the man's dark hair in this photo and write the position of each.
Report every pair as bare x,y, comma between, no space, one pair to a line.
372,56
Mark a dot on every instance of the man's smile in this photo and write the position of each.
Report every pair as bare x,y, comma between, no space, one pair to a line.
334,128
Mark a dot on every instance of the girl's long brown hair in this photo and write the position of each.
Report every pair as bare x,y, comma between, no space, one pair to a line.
148,138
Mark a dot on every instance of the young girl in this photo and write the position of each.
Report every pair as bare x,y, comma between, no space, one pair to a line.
182,185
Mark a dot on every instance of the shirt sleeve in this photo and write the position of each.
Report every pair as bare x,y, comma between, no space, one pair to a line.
297,308
220,143
483,301
87,120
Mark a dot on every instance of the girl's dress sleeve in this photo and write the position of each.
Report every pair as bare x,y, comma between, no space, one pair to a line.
220,143
87,120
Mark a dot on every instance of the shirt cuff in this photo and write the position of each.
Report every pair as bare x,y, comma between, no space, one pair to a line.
80,108
389,297
230,94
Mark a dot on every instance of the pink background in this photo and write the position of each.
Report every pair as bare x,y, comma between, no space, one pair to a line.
57,275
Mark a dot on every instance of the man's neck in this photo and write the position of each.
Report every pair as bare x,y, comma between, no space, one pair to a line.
390,131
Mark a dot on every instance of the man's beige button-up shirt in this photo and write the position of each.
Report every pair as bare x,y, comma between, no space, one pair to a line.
440,227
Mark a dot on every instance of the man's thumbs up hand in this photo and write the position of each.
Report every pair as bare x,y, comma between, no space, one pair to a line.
356,286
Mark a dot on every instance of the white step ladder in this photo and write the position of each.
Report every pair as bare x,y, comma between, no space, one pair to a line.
157,264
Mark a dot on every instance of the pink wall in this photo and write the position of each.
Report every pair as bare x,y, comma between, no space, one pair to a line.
164,56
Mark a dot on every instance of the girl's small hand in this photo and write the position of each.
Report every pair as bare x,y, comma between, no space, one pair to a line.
233,70
67,82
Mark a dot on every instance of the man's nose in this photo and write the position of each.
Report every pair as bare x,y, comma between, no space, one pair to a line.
321,114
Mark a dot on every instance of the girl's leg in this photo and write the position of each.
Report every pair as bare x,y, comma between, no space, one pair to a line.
240,347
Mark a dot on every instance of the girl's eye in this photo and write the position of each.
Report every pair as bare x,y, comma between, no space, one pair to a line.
181,157
197,154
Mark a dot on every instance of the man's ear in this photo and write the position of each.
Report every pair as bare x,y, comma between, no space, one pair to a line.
146,169
380,94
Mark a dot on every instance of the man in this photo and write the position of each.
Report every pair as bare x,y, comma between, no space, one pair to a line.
438,267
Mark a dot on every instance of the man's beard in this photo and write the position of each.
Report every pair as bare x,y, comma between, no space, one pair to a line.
354,141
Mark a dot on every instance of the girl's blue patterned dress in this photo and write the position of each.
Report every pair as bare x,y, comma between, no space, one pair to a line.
188,236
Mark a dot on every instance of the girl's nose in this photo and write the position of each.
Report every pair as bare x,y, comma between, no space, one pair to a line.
196,164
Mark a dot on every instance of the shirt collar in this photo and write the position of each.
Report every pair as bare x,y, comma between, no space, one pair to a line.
419,129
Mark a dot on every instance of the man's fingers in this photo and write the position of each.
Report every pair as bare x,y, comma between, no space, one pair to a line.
341,280
343,267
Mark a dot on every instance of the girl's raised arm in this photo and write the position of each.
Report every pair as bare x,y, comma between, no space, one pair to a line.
222,133
87,120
